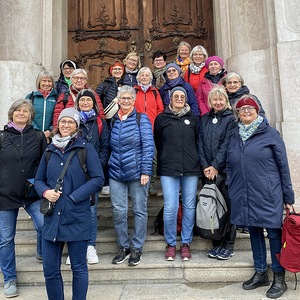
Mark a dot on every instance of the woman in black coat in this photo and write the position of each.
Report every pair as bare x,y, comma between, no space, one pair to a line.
215,129
176,134
20,152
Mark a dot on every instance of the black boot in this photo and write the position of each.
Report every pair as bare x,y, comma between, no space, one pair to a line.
257,280
278,286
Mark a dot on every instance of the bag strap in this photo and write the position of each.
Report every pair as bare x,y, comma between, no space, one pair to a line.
18,156
64,170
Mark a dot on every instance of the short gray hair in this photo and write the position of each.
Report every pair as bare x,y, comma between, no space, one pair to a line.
144,70
126,89
79,71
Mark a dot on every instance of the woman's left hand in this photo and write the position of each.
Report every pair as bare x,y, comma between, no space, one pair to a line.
144,179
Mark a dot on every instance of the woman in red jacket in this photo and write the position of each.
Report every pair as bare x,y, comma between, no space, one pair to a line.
79,81
197,68
148,101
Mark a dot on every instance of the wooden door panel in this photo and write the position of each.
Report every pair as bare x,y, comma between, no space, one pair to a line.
101,31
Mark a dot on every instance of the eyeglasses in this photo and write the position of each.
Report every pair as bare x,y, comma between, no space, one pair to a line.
69,123
79,78
66,69
197,54
126,99
233,82
245,108
159,60
117,69
171,71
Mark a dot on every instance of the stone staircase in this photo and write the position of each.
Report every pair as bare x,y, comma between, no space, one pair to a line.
152,269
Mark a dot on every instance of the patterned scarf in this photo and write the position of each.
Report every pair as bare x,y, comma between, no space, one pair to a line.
159,75
183,64
62,142
246,131
86,115
196,69
181,113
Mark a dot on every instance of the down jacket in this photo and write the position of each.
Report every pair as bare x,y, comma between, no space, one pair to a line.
107,90
132,148
215,138
177,143
44,108
30,146
71,219
258,175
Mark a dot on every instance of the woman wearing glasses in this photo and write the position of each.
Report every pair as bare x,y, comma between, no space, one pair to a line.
174,79
79,79
235,88
63,83
132,64
130,170
259,186
196,70
70,221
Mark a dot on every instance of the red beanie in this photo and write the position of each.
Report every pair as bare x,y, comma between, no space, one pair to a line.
117,64
247,101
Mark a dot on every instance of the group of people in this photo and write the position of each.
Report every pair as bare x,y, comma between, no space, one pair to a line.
182,121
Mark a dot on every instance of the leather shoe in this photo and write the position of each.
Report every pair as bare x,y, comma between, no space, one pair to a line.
257,280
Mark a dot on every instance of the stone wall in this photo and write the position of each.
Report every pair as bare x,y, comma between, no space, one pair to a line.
33,37
260,39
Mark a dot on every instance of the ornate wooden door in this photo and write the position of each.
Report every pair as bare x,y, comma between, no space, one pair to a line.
102,31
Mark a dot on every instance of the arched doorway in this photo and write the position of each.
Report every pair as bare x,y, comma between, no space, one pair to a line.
100,32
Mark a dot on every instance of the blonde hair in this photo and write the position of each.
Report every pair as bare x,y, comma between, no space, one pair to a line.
183,43
219,91
130,54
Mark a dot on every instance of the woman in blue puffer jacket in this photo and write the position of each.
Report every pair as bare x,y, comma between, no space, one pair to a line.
130,168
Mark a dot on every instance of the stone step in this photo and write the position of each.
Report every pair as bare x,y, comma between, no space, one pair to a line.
153,268
106,242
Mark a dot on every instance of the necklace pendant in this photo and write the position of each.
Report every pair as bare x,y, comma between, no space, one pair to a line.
215,120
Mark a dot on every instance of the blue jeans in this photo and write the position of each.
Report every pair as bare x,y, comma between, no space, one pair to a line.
92,241
8,223
259,250
119,200
171,188
52,252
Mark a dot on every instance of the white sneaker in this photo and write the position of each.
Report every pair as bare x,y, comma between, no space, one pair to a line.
105,191
68,262
91,255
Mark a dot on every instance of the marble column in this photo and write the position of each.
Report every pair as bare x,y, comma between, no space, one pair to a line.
33,37
260,39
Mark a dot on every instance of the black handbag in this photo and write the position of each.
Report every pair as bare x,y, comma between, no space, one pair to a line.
47,207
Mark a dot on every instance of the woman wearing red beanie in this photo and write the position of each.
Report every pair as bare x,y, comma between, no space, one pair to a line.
259,186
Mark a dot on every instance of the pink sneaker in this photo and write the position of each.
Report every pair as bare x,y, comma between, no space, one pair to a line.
185,252
170,252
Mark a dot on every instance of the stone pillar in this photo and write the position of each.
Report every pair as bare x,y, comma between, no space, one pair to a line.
33,37
260,39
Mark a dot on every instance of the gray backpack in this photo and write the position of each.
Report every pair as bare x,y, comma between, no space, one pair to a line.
212,216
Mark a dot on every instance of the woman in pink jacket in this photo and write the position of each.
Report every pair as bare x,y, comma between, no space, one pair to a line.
213,77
